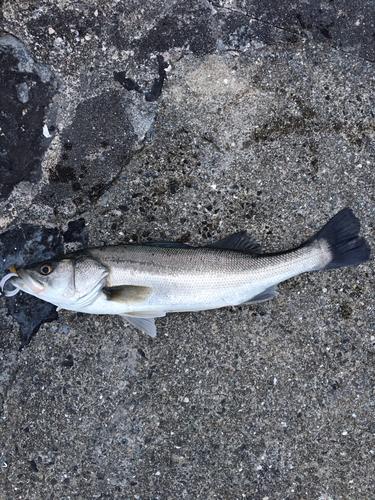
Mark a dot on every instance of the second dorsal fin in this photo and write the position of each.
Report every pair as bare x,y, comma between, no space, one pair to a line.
241,242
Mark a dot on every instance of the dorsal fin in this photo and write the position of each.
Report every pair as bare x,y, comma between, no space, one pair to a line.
241,242
165,244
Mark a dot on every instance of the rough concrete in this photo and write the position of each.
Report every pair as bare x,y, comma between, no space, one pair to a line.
264,122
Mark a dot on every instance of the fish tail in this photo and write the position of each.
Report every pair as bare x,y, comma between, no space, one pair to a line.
341,237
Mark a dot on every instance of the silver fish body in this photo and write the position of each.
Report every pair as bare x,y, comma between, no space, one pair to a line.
195,279
141,282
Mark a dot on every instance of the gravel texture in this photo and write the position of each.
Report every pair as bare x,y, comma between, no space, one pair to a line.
187,121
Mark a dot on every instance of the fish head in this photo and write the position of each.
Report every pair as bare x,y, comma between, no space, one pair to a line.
46,280
71,282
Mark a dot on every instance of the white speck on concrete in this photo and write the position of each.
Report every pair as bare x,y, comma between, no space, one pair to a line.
46,132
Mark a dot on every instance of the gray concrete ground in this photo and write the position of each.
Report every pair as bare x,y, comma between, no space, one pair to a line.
258,117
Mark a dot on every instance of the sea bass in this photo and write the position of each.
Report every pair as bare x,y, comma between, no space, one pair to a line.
143,281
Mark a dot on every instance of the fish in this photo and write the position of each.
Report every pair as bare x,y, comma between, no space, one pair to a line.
141,282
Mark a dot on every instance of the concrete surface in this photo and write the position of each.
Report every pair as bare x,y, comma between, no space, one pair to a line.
258,116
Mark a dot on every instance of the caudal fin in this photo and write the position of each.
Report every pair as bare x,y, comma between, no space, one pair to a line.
346,246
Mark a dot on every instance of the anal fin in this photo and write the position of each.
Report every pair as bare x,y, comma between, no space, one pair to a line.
267,294
144,320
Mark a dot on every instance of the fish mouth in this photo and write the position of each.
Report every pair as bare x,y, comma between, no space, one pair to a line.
25,282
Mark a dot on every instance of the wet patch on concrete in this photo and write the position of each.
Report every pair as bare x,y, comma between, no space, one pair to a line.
27,91
344,25
95,149
155,91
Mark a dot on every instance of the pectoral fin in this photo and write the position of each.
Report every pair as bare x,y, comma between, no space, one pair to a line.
127,294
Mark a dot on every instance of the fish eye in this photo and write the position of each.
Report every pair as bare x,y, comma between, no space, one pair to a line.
45,269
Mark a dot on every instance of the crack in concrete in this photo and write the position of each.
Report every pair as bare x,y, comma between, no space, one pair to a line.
289,31
253,18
